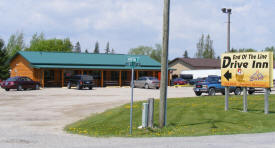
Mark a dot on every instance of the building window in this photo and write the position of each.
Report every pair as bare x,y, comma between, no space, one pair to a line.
49,75
114,75
95,74
124,75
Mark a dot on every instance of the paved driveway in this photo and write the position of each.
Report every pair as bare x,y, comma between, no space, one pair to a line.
36,119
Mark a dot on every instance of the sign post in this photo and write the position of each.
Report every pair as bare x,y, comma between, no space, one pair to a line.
266,105
248,69
245,99
132,62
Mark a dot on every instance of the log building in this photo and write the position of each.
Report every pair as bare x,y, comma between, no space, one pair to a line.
53,69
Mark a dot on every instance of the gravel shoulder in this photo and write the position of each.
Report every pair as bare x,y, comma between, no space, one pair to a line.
37,118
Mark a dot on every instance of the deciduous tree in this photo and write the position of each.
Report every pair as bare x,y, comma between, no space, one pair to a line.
15,43
39,43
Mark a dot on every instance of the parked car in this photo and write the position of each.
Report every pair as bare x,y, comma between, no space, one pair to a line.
20,83
147,82
81,81
179,81
212,85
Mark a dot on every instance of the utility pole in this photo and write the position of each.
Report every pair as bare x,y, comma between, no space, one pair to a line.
228,11
164,66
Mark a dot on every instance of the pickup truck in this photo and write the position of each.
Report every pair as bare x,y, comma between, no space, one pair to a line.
212,85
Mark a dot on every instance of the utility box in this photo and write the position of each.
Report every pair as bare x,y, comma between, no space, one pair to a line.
145,115
151,113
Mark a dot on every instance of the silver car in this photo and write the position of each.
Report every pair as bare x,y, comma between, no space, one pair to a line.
147,82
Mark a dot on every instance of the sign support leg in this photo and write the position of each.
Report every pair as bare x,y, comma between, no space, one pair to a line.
266,105
132,96
245,99
226,98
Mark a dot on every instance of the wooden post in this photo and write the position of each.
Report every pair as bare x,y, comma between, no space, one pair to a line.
102,78
168,78
43,83
164,66
266,105
82,72
120,84
62,78
245,99
151,113
136,74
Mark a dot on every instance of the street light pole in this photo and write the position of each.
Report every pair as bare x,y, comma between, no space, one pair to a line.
228,11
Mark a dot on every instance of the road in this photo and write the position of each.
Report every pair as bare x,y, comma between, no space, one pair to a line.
35,119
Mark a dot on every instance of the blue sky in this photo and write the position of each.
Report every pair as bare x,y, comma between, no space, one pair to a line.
129,23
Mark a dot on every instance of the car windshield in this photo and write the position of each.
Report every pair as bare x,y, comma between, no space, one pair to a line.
211,79
87,78
152,78
11,79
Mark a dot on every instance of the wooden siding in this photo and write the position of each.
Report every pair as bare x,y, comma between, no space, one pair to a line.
21,67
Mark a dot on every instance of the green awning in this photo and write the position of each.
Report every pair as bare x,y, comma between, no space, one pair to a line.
93,67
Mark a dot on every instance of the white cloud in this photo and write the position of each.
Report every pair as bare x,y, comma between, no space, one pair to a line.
127,24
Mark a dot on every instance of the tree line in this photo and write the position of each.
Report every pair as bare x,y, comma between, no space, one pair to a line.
38,42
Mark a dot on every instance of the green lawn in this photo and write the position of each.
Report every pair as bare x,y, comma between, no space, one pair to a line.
185,117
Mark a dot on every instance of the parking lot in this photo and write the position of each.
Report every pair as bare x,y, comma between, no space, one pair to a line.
36,118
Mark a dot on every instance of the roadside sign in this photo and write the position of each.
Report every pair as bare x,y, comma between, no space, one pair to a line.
247,69
133,59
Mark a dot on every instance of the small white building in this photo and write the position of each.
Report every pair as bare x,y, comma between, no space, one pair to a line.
205,72
202,73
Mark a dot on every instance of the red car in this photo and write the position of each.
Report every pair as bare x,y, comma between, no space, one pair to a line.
20,83
179,81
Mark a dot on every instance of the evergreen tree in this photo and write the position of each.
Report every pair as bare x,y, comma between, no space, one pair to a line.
4,67
107,50
86,51
185,55
96,50
113,51
77,47
272,49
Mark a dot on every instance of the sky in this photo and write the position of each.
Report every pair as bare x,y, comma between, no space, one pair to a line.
127,24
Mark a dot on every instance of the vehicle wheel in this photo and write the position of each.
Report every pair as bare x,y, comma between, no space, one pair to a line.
237,91
223,93
7,89
157,87
69,86
78,87
19,87
90,87
212,92
146,86
37,87
198,93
